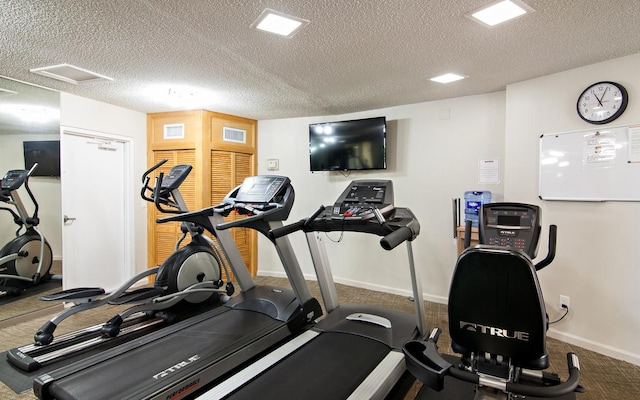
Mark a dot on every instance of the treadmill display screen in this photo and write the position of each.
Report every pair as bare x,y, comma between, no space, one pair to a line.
261,189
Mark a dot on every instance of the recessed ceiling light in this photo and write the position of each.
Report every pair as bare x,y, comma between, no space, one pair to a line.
279,23
70,73
499,11
446,78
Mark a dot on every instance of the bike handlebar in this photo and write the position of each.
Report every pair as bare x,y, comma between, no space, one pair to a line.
553,233
424,361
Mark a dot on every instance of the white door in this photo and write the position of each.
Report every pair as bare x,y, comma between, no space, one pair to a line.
96,247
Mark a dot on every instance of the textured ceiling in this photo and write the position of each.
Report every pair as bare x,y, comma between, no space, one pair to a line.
354,55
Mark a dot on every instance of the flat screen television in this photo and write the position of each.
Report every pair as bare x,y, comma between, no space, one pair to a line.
44,152
348,145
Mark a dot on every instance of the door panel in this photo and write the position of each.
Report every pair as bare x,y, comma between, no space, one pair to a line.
96,249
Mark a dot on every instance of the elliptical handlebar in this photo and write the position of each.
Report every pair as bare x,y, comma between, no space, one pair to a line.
159,196
145,176
34,217
146,179
553,233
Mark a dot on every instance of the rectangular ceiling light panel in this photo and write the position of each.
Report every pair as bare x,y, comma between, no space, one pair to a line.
499,11
279,23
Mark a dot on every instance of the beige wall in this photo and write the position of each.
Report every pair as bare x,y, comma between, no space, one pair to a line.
433,153
597,262
434,159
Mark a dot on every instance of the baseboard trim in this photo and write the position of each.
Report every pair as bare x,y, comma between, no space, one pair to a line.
587,344
591,345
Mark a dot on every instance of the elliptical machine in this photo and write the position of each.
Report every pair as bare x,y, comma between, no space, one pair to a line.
188,279
26,260
497,318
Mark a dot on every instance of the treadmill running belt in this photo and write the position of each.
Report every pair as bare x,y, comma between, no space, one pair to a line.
310,373
145,369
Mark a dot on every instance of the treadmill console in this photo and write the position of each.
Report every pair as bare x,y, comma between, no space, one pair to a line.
261,190
12,180
361,197
175,177
512,225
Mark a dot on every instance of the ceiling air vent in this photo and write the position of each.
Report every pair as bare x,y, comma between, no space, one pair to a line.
234,135
70,73
174,131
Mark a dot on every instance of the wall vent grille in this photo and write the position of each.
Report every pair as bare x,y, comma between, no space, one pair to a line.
234,135
174,131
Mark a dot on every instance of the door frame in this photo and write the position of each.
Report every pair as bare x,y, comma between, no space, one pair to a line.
129,222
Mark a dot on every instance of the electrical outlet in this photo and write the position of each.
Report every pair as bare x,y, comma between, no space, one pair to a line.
564,301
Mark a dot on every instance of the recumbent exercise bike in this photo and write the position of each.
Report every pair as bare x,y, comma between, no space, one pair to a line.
497,317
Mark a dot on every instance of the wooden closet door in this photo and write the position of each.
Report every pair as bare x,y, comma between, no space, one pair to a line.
164,236
228,170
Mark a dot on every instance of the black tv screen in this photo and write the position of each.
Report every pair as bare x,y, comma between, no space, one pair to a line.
348,145
44,152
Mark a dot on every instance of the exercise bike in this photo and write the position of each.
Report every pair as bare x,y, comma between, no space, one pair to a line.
188,281
497,318
26,260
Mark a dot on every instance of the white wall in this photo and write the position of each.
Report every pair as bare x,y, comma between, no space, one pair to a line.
597,262
434,159
82,113
433,153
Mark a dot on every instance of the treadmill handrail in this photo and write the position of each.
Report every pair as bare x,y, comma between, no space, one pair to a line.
296,226
390,241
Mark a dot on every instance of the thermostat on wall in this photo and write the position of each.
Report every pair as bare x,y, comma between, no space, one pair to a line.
273,164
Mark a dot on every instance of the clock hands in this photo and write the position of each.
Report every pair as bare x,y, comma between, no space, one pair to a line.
596,96
601,97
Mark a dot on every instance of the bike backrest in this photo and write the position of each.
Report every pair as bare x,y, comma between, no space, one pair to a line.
496,306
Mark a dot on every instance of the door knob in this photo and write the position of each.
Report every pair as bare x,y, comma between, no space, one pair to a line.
67,219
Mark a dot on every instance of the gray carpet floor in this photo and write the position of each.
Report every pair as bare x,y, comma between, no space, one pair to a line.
603,377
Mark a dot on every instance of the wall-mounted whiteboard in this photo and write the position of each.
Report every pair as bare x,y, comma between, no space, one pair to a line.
600,164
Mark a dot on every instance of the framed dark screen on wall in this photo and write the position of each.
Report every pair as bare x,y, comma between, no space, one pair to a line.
44,152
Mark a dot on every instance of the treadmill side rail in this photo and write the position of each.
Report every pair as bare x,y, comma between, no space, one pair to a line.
382,379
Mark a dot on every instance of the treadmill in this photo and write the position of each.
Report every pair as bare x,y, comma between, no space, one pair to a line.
355,352
173,362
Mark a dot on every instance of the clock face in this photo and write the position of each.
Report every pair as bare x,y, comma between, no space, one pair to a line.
602,102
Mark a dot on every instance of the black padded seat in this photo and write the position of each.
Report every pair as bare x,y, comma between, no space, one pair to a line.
496,306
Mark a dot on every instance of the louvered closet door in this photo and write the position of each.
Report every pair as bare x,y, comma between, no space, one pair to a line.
166,235
228,170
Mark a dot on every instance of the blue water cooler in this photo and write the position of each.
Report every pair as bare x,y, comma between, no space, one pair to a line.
473,200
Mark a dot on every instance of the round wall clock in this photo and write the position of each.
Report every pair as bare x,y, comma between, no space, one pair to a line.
602,102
